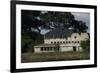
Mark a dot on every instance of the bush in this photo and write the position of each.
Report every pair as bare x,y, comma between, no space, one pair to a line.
85,45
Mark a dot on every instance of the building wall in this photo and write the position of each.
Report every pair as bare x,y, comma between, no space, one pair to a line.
61,49
79,37
66,48
37,49
66,44
70,47
73,40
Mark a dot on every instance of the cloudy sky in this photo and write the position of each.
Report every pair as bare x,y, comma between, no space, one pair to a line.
85,17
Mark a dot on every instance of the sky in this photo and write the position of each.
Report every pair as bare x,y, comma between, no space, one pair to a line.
85,17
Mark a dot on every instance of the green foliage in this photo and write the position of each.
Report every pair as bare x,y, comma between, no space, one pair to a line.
57,19
48,19
54,56
85,45
27,42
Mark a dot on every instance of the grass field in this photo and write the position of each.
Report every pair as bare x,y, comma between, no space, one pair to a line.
53,56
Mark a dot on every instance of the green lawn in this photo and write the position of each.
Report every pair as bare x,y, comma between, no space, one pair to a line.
54,56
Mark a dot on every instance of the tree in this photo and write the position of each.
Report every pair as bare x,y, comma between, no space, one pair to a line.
30,37
28,40
63,19
79,26
85,45
57,19
50,20
32,22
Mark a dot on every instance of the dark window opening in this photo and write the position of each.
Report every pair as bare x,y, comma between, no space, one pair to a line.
55,42
64,42
41,48
51,42
74,48
75,37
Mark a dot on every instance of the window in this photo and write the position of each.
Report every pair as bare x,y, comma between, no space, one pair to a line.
60,42
77,41
63,42
75,37
45,49
51,42
41,48
50,48
74,48
55,42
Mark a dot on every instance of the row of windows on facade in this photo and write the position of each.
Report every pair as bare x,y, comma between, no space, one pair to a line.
64,42
49,49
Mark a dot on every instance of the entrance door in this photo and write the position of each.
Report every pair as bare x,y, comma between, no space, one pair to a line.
74,48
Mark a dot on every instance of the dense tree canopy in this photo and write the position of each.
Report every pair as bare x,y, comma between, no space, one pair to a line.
50,20
85,45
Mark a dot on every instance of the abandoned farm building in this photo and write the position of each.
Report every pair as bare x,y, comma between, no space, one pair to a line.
61,39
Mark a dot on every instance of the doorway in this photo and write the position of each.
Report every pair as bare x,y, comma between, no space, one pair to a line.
74,48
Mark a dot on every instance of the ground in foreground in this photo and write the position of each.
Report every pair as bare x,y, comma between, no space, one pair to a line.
53,56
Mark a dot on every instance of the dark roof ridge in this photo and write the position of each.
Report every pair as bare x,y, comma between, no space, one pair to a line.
61,32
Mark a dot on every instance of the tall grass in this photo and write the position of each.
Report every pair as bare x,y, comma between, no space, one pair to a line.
54,56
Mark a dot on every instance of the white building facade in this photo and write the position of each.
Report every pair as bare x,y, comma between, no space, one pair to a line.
62,40
71,43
